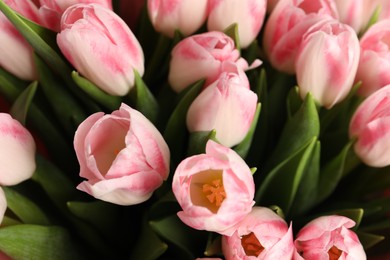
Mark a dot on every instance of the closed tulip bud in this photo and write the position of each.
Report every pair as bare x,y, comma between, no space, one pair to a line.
17,151
101,47
374,64
16,55
327,61
52,10
351,13
215,190
226,106
187,16
3,206
370,125
262,234
286,26
122,155
329,237
248,14
204,54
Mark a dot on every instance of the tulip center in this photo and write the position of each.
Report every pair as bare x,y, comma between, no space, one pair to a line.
334,253
207,189
251,245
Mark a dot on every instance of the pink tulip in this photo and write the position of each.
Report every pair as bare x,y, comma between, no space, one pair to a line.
262,234
215,189
101,47
329,237
17,152
286,25
327,61
16,55
122,155
370,124
351,13
52,10
204,54
248,14
184,15
226,106
374,61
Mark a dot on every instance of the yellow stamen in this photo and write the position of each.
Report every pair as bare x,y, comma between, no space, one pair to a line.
251,245
216,190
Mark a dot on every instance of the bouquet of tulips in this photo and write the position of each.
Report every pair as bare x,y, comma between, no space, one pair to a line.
194,129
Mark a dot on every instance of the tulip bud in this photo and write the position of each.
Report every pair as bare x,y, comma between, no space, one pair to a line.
329,237
101,47
370,124
16,55
52,10
122,155
204,54
374,61
249,16
351,13
187,16
327,61
215,189
17,151
286,25
226,106
262,234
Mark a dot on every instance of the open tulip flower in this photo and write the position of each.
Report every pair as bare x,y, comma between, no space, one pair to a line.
329,237
261,235
215,189
123,156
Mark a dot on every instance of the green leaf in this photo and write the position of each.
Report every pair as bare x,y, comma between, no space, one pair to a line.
243,148
198,140
148,246
102,215
188,242
143,99
69,113
232,32
26,210
294,101
332,173
298,131
308,187
36,242
108,101
286,177
175,133
369,240
22,104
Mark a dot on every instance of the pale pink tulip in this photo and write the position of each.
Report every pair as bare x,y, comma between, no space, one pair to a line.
215,189
101,47
186,16
122,155
370,124
262,234
327,62
3,206
52,10
16,55
202,56
374,64
17,151
329,237
248,14
351,13
226,106
286,25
